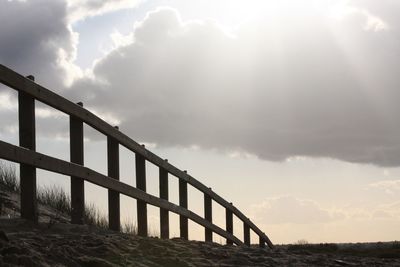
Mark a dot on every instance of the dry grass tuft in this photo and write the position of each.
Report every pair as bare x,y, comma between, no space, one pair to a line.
53,196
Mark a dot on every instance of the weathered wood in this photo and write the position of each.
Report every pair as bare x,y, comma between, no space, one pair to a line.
27,139
183,202
208,217
113,195
141,184
164,214
246,234
229,225
20,83
76,156
32,158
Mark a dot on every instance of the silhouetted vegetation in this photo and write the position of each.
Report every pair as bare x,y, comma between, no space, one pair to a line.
378,250
56,198
8,179
386,250
304,246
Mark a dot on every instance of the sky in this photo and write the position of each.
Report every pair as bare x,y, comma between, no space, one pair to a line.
285,108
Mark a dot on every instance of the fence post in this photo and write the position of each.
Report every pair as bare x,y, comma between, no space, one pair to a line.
229,224
76,156
164,214
261,242
27,139
183,202
141,184
113,172
207,216
246,234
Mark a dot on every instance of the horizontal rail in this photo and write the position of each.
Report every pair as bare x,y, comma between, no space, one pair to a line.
20,83
21,155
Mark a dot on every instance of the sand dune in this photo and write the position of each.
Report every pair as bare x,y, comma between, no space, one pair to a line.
55,242
62,244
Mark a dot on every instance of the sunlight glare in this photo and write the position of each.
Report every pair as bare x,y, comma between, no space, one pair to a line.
236,12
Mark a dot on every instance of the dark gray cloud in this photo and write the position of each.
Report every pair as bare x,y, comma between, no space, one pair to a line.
33,33
300,86
35,38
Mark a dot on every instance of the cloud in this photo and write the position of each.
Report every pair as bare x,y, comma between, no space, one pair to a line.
291,210
277,88
288,209
296,86
81,9
389,186
35,38
385,10
7,103
380,214
387,211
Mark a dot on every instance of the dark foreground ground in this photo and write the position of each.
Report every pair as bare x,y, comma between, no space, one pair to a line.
55,242
62,244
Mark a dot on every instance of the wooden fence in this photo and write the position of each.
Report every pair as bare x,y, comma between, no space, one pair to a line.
29,159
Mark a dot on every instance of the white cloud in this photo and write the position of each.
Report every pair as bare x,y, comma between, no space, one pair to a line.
374,23
387,211
119,39
81,9
388,186
292,210
371,22
288,209
7,103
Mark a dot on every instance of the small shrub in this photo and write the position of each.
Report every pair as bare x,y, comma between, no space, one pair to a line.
396,245
302,242
54,197
315,248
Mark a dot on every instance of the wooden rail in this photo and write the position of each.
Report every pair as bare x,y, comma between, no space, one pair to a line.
29,91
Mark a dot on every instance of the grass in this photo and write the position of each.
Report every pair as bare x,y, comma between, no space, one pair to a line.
129,227
8,179
56,198
93,216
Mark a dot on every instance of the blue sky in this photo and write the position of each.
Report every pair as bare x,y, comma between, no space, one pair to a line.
286,108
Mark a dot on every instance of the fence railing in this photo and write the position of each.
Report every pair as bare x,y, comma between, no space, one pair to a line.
29,159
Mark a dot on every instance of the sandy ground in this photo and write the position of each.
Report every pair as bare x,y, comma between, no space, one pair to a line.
55,242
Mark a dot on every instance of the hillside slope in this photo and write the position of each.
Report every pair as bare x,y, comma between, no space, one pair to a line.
55,242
